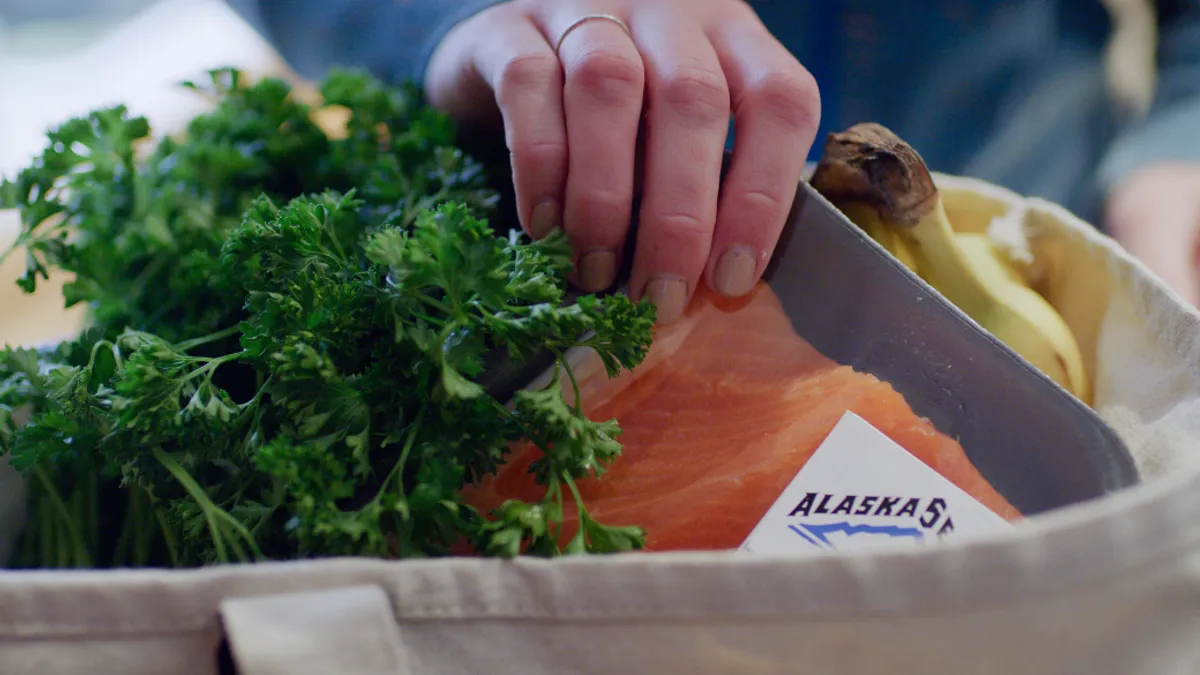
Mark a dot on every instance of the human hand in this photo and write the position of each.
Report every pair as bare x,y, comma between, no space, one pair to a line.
1155,215
660,98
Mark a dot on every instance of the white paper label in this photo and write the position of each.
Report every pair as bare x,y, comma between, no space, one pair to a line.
862,490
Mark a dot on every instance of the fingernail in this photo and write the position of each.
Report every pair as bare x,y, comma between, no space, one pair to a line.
546,217
734,275
597,270
668,296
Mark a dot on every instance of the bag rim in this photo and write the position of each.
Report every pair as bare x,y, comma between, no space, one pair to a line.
1100,542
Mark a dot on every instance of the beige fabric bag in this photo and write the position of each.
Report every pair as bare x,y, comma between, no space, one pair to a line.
1111,586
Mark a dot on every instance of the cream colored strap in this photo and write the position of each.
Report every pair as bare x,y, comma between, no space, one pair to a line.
347,631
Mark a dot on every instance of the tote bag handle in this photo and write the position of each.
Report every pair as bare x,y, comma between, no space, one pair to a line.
349,631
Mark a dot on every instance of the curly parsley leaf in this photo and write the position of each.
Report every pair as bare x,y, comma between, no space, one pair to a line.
288,331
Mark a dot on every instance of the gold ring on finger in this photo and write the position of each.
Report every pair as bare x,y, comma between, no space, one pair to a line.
590,17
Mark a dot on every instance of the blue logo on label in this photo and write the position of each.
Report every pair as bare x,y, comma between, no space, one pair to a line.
818,535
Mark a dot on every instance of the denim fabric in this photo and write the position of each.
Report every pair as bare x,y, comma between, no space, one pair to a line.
1011,92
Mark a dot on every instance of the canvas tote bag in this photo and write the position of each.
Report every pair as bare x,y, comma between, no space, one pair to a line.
1109,586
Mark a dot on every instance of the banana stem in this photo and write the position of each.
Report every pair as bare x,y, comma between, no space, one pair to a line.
952,276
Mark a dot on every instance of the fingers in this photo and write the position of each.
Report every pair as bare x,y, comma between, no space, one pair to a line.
686,127
1154,215
776,109
518,64
1172,260
602,103
693,69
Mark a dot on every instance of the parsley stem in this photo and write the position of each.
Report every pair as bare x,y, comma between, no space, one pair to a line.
209,367
212,337
529,433
133,544
136,522
574,493
41,542
398,468
581,512
67,526
574,384
81,513
254,404
46,531
337,245
212,512
168,536
556,491
436,304
62,547
120,555
144,529
180,475
91,509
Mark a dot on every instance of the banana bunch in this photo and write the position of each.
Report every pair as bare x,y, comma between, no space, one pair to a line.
882,184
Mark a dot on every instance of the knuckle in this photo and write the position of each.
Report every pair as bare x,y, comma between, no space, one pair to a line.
603,204
524,72
697,93
682,229
792,97
761,203
609,76
539,153
682,238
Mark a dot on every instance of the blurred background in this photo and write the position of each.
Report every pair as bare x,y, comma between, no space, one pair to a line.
65,57
60,58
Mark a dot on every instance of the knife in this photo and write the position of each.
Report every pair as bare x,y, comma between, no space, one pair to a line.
1038,445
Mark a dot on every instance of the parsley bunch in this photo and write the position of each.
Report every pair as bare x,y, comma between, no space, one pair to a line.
288,332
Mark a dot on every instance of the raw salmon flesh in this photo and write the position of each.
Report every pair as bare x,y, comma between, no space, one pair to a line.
727,407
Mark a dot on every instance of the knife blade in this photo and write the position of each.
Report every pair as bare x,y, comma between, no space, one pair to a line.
1038,445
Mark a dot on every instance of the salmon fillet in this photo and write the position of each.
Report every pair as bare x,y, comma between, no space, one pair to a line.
728,406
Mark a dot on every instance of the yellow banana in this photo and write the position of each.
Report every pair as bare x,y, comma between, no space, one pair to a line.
889,239
1051,341
883,185
979,246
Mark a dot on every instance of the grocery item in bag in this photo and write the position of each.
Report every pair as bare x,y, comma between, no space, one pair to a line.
727,407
